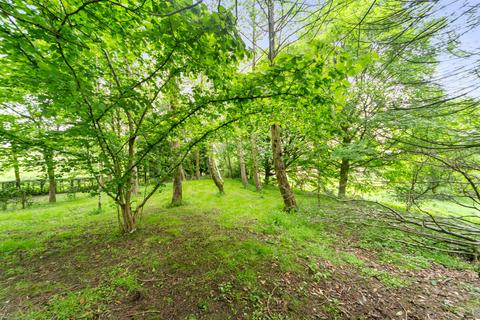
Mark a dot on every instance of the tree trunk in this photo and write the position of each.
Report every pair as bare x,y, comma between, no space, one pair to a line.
133,176
280,172
177,191
16,170
100,185
126,203
99,202
16,167
271,31
146,170
342,184
268,172
256,178
52,184
183,173
135,182
177,187
278,163
228,160
136,185
197,163
319,179
127,220
215,173
241,160
177,181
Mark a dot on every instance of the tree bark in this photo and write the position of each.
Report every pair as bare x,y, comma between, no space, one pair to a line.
280,172
268,172
178,177
241,160
342,184
197,163
16,170
228,160
146,170
278,162
128,218
126,203
135,182
215,173
319,179
177,181
52,184
16,167
177,187
183,173
100,185
256,178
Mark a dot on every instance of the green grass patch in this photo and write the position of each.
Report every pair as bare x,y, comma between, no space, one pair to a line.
82,304
231,242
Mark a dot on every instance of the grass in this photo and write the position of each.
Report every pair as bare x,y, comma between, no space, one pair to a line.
436,207
212,255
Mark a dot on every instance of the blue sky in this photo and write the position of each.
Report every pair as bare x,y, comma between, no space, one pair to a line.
462,74
457,74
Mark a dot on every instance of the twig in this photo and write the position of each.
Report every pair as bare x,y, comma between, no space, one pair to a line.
143,312
267,306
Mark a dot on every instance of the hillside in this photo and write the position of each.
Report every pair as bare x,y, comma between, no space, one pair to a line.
232,256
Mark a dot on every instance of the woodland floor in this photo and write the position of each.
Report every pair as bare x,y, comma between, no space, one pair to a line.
236,256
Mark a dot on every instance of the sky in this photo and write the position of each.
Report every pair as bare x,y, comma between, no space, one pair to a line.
458,74
462,74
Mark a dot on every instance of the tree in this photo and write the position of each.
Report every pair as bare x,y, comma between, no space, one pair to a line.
241,160
110,86
214,172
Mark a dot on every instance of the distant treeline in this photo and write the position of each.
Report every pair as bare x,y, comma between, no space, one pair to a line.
35,187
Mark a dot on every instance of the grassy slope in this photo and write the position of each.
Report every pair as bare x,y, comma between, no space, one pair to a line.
219,257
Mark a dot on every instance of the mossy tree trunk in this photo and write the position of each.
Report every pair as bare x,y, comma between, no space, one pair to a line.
267,167
127,219
177,181
128,215
52,184
241,161
342,183
16,170
215,173
177,187
255,176
135,179
277,153
280,171
16,166
177,192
